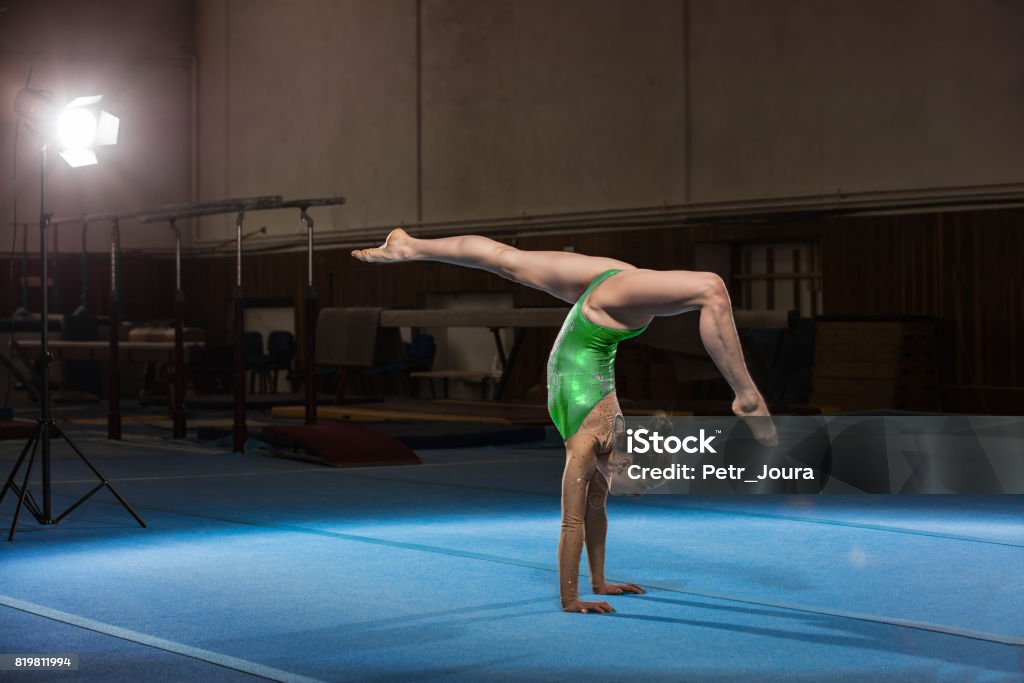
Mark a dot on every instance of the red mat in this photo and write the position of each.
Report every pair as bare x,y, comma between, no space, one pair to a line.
16,430
339,445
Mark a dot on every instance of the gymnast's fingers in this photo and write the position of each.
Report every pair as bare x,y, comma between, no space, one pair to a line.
589,607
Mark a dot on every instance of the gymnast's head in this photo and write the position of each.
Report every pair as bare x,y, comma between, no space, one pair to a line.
618,466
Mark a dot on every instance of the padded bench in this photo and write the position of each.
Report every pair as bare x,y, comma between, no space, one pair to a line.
485,377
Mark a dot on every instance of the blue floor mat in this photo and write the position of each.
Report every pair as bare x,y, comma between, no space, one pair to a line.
254,567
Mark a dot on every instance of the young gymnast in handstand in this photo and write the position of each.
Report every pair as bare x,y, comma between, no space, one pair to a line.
612,301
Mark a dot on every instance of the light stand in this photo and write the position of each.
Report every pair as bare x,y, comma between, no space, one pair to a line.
46,426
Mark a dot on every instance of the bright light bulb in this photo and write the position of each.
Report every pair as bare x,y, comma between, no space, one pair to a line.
79,157
76,128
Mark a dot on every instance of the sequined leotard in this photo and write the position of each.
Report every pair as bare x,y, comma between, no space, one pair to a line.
581,367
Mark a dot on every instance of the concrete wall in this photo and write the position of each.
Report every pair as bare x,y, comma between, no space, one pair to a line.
138,55
308,98
524,106
438,110
543,107
809,96
535,106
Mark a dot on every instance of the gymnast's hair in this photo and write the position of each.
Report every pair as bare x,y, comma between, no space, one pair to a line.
659,422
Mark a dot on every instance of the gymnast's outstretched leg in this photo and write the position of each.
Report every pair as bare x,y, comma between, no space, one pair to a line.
627,301
562,274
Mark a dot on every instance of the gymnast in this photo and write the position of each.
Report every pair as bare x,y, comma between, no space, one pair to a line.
612,301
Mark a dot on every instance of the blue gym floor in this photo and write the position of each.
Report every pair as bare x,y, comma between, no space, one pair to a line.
258,568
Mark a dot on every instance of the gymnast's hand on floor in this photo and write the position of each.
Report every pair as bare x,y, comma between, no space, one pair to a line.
618,589
588,607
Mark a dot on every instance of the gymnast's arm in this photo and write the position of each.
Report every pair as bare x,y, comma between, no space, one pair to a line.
580,466
596,531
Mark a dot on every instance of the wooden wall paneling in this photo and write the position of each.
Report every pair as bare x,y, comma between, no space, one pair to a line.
962,267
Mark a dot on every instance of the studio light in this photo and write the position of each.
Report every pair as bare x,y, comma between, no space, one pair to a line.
75,129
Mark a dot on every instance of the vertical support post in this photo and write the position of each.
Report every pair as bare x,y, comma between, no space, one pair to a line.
24,266
178,409
239,430
311,315
56,269
44,396
84,265
114,388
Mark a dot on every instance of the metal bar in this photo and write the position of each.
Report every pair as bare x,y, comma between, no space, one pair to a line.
44,220
229,203
303,205
166,212
172,213
195,213
111,216
99,475
65,219
312,295
178,409
114,387
238,248
238,428
10,484
732,210
211,208
311,312
797,266
24,484
83,262
24,265
78,502
308,220
336,200
56,268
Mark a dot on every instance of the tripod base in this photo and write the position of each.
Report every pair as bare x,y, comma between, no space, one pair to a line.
45,428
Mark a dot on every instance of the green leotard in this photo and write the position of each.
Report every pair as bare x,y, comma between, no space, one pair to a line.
581,367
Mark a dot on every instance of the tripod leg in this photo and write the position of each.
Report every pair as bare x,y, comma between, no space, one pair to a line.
99,476
17,465
24,483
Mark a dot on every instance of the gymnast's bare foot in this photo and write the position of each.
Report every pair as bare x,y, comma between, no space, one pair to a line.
754,412
618,589
397,247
